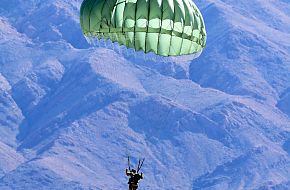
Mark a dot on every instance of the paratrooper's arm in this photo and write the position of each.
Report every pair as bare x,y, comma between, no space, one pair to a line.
128,173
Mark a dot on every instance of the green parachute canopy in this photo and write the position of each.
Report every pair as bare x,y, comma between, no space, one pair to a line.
165,27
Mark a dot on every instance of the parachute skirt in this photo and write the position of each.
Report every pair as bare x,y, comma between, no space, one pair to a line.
131,53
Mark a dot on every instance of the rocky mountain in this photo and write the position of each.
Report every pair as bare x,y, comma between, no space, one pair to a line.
70,114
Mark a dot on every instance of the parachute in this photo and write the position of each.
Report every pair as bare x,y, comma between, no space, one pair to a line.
163,27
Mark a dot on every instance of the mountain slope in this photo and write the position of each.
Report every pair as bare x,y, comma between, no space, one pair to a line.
70,115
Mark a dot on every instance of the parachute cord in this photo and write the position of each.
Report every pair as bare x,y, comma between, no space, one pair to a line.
129,165
139,162
140,165
175,97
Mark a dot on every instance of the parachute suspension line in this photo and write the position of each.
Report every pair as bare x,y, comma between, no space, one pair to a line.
174,99
133,54
140,165
139,162
129,165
